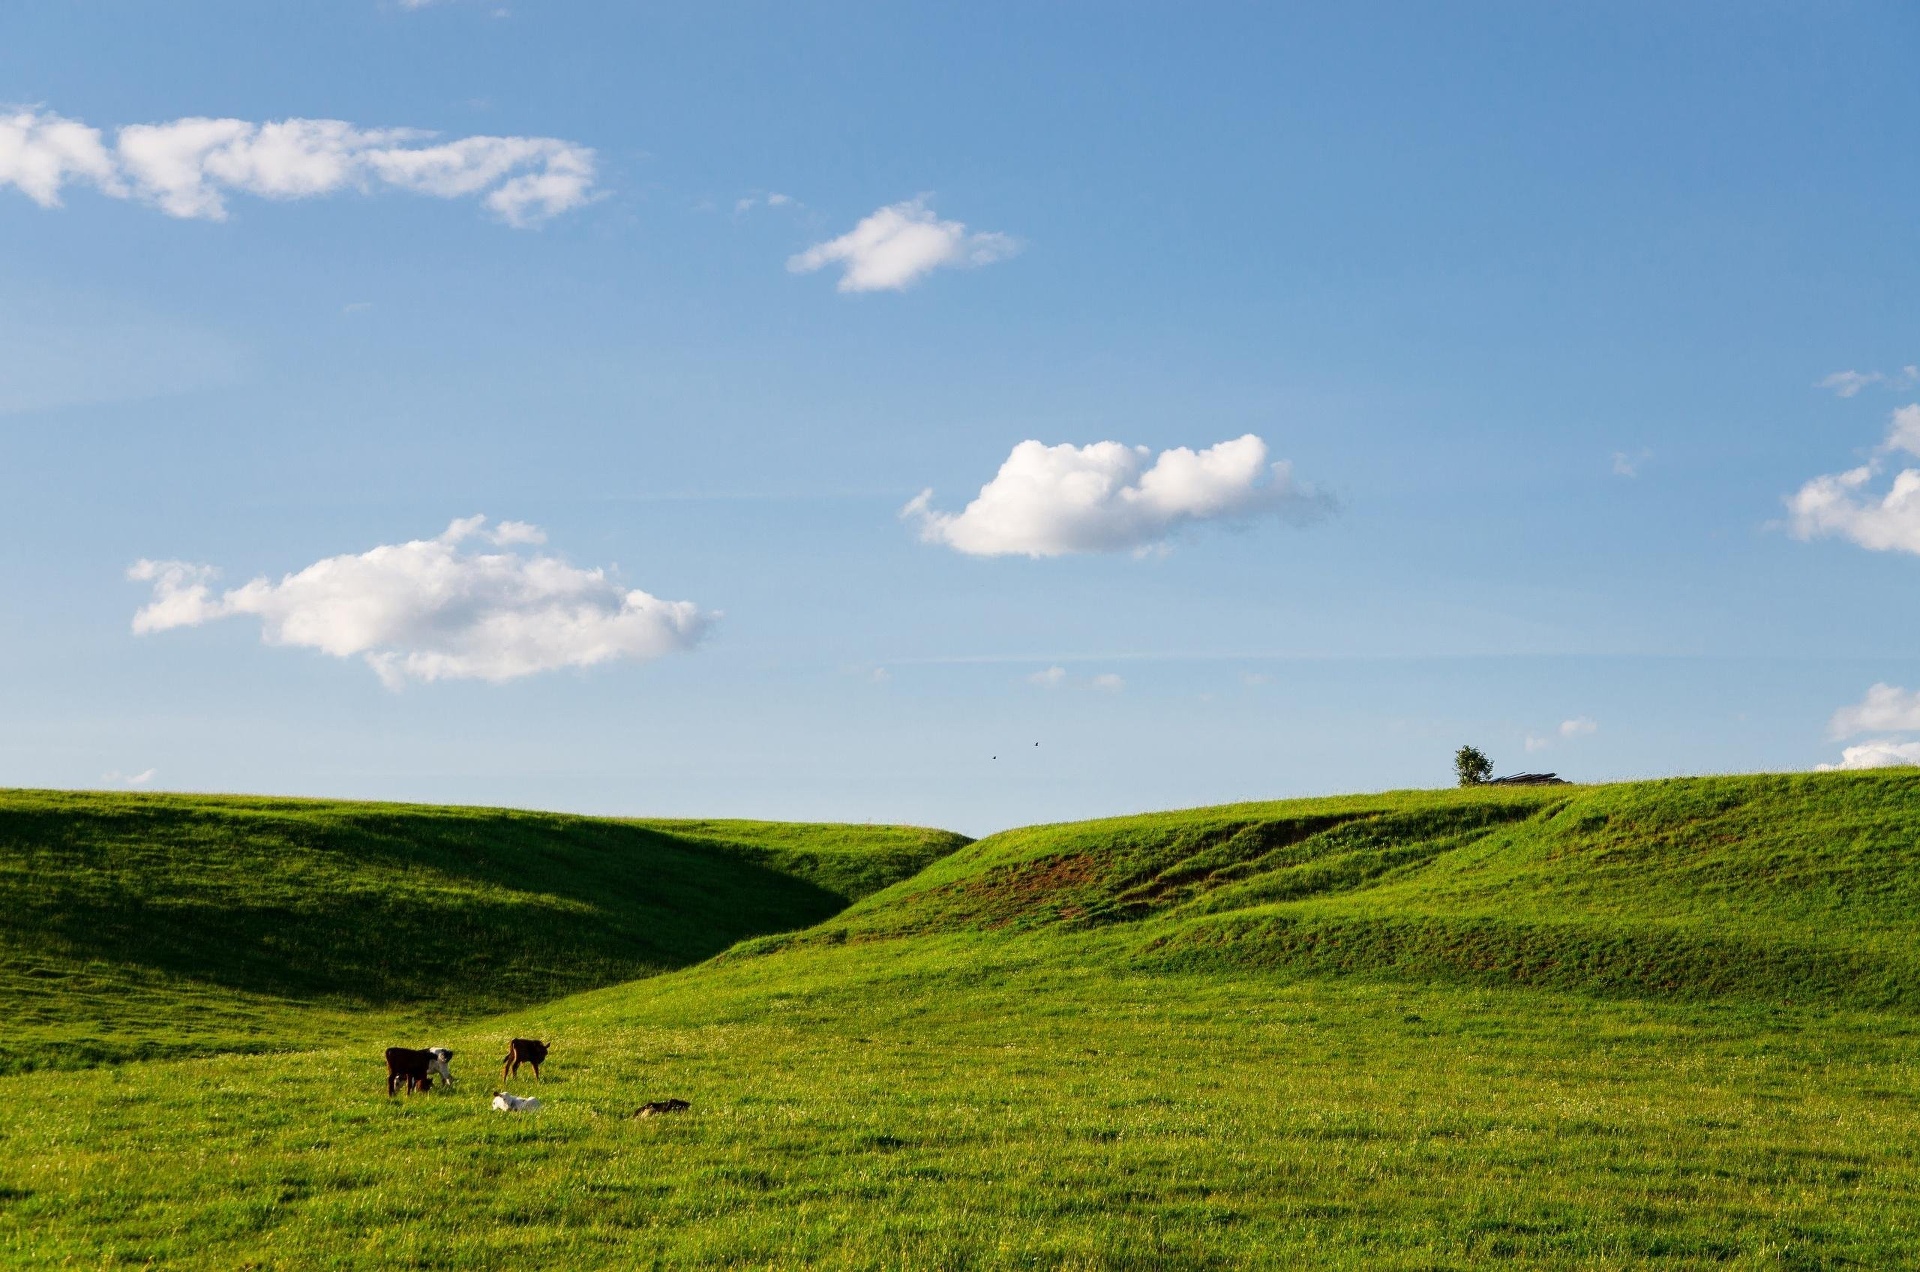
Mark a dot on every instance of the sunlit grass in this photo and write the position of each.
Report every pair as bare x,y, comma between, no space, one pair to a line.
1658,1024
933,1104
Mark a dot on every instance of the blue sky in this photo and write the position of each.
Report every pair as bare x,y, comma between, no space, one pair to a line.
1535,301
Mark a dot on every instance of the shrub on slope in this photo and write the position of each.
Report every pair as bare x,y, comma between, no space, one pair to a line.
140,924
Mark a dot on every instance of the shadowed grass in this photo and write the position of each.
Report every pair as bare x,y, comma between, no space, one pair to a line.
136,925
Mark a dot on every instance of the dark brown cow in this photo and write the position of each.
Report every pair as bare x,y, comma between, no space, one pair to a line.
523,1051
404,1064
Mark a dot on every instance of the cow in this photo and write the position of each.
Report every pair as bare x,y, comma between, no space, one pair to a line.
441,1058
415,1068
522,1051
504,1103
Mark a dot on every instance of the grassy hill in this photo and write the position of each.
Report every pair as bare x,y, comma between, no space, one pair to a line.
1647,1025
1794,886
140,925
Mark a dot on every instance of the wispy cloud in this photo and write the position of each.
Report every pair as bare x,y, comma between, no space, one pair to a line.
1051,501
900,244
1627,463
1057,677
189,167
431,610
1848,384
749,202
143,778
1578,727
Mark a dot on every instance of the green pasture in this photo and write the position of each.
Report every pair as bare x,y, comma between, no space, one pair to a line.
1648,1025
137,926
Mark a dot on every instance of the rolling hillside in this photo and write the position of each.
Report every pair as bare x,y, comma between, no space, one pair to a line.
139,925
1796,886
1649,1025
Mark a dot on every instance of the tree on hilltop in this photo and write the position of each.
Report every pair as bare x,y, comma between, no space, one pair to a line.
1472,765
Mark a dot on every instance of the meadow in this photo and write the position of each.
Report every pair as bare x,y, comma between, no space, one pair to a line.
1652,1024
139,926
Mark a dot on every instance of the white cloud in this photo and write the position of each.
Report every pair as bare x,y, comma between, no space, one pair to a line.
188,167
900,244
40,152
1847,384
428,610
1885,709
1846,505
117,778
1881,753
1051,678
1054,500
1110,682
1627,463
1903,431
1578,727
775,200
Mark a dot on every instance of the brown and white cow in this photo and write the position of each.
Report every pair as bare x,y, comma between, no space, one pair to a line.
417,1067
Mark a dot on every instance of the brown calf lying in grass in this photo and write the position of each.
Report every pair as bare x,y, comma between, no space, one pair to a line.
523,1051
654,1108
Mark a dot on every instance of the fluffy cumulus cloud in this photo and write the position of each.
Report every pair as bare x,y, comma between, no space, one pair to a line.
1051,501
899,245
189,167
1852,505
437,609
41,153
1883,753
1885,709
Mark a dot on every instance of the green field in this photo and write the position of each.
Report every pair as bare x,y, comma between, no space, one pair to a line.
1651,1024
138,926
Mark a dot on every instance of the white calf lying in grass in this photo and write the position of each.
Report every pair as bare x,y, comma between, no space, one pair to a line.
514,1104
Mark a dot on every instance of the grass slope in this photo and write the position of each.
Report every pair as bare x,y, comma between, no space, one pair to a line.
138,925
1117,1045
974,1102
1794,886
